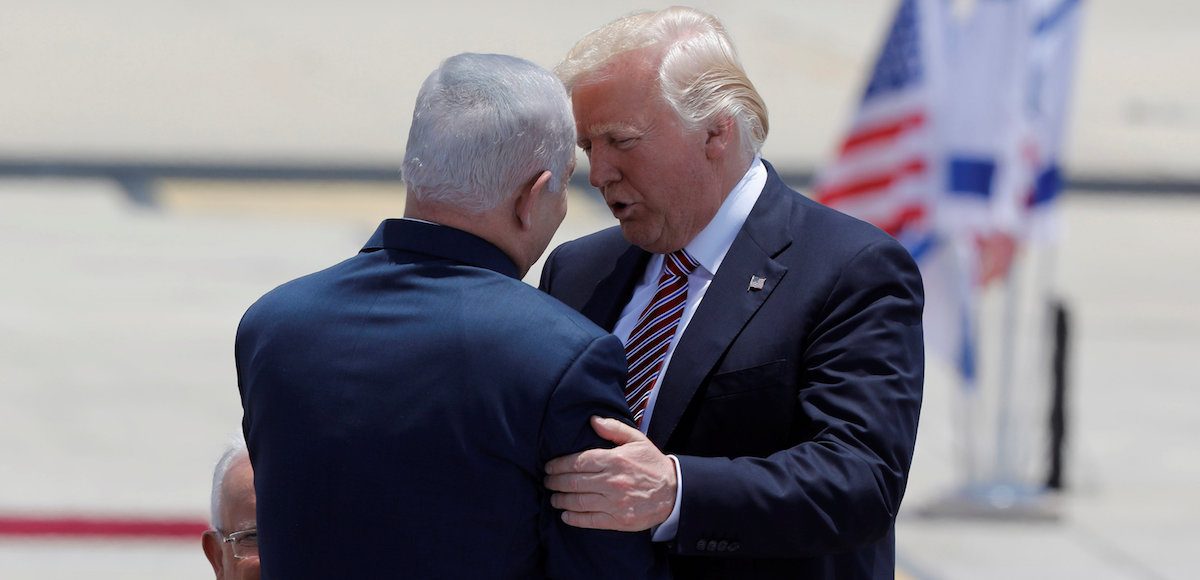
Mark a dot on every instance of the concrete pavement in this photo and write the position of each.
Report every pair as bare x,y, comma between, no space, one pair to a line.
117,374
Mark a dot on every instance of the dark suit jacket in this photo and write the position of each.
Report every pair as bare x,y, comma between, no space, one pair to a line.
793,409
400,406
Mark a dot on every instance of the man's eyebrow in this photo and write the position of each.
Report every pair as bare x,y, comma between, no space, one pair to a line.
604,129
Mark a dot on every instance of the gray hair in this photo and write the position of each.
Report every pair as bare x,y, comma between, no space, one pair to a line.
699,75
484,126
233,452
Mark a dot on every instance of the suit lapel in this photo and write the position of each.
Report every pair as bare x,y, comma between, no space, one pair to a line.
727,306
613,291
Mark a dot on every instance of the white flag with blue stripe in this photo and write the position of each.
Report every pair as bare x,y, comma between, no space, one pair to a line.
956,147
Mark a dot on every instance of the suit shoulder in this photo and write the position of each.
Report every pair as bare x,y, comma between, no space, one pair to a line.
294,295
837,233
547,312
575,267
830,219
604,243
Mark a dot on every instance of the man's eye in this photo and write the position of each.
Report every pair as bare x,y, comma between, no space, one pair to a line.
625,143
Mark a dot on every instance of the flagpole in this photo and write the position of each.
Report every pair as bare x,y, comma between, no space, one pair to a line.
969,320
1056,327
1004,471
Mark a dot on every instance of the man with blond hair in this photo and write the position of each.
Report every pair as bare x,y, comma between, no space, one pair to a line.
774,345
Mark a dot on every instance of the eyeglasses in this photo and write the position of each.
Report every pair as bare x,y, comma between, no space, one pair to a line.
245,543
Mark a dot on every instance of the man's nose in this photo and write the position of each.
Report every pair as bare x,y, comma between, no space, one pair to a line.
602,170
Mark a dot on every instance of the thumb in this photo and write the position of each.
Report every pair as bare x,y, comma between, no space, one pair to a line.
616,431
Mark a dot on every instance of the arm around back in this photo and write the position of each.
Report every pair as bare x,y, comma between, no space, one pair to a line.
591,385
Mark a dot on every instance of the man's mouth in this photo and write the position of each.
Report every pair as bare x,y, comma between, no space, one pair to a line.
620,209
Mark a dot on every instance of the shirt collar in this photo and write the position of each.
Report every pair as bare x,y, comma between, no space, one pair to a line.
440,241
712,243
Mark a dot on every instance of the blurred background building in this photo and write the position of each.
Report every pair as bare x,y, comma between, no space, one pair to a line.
162,164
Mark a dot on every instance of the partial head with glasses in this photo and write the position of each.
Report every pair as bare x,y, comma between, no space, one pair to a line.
232,544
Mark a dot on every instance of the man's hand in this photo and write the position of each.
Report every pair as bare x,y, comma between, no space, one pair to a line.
628,488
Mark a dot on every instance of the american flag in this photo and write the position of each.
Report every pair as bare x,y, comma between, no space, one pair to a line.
891,169
886,170
954,147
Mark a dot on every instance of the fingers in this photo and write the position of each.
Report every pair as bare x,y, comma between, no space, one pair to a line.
578,482
590,461
595,521
564,464
591,510
580,502
616,431
613,489
596,460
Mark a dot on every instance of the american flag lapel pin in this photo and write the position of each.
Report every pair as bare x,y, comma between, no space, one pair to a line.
756,283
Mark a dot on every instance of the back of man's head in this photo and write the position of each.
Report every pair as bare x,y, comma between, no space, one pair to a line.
485,125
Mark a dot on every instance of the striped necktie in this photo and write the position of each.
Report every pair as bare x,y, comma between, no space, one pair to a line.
646,348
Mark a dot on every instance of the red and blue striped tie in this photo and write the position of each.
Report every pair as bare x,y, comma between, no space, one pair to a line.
646,348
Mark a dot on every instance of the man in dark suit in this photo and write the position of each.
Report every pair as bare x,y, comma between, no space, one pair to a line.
774,345
400,406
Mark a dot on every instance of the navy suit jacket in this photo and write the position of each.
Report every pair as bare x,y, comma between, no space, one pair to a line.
793,409
400,406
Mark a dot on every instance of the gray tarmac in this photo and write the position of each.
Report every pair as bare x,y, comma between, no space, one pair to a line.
117,374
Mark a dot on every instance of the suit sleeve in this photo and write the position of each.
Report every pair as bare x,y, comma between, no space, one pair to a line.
840,486
591,385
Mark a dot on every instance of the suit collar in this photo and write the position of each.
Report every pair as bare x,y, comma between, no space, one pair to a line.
769,221
440,242
614,290
710,246
728,304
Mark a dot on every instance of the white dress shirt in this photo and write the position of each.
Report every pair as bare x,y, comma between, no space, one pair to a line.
708,248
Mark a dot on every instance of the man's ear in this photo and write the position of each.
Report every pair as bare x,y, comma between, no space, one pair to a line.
528,197
212,550
721,137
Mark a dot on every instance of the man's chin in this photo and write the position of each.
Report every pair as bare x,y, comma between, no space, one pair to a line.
641,239
629,231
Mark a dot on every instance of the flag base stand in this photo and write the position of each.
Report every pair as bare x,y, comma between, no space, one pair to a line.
995,502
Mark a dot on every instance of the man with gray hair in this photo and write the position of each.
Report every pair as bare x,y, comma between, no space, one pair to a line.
231,546
774,344
400,405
